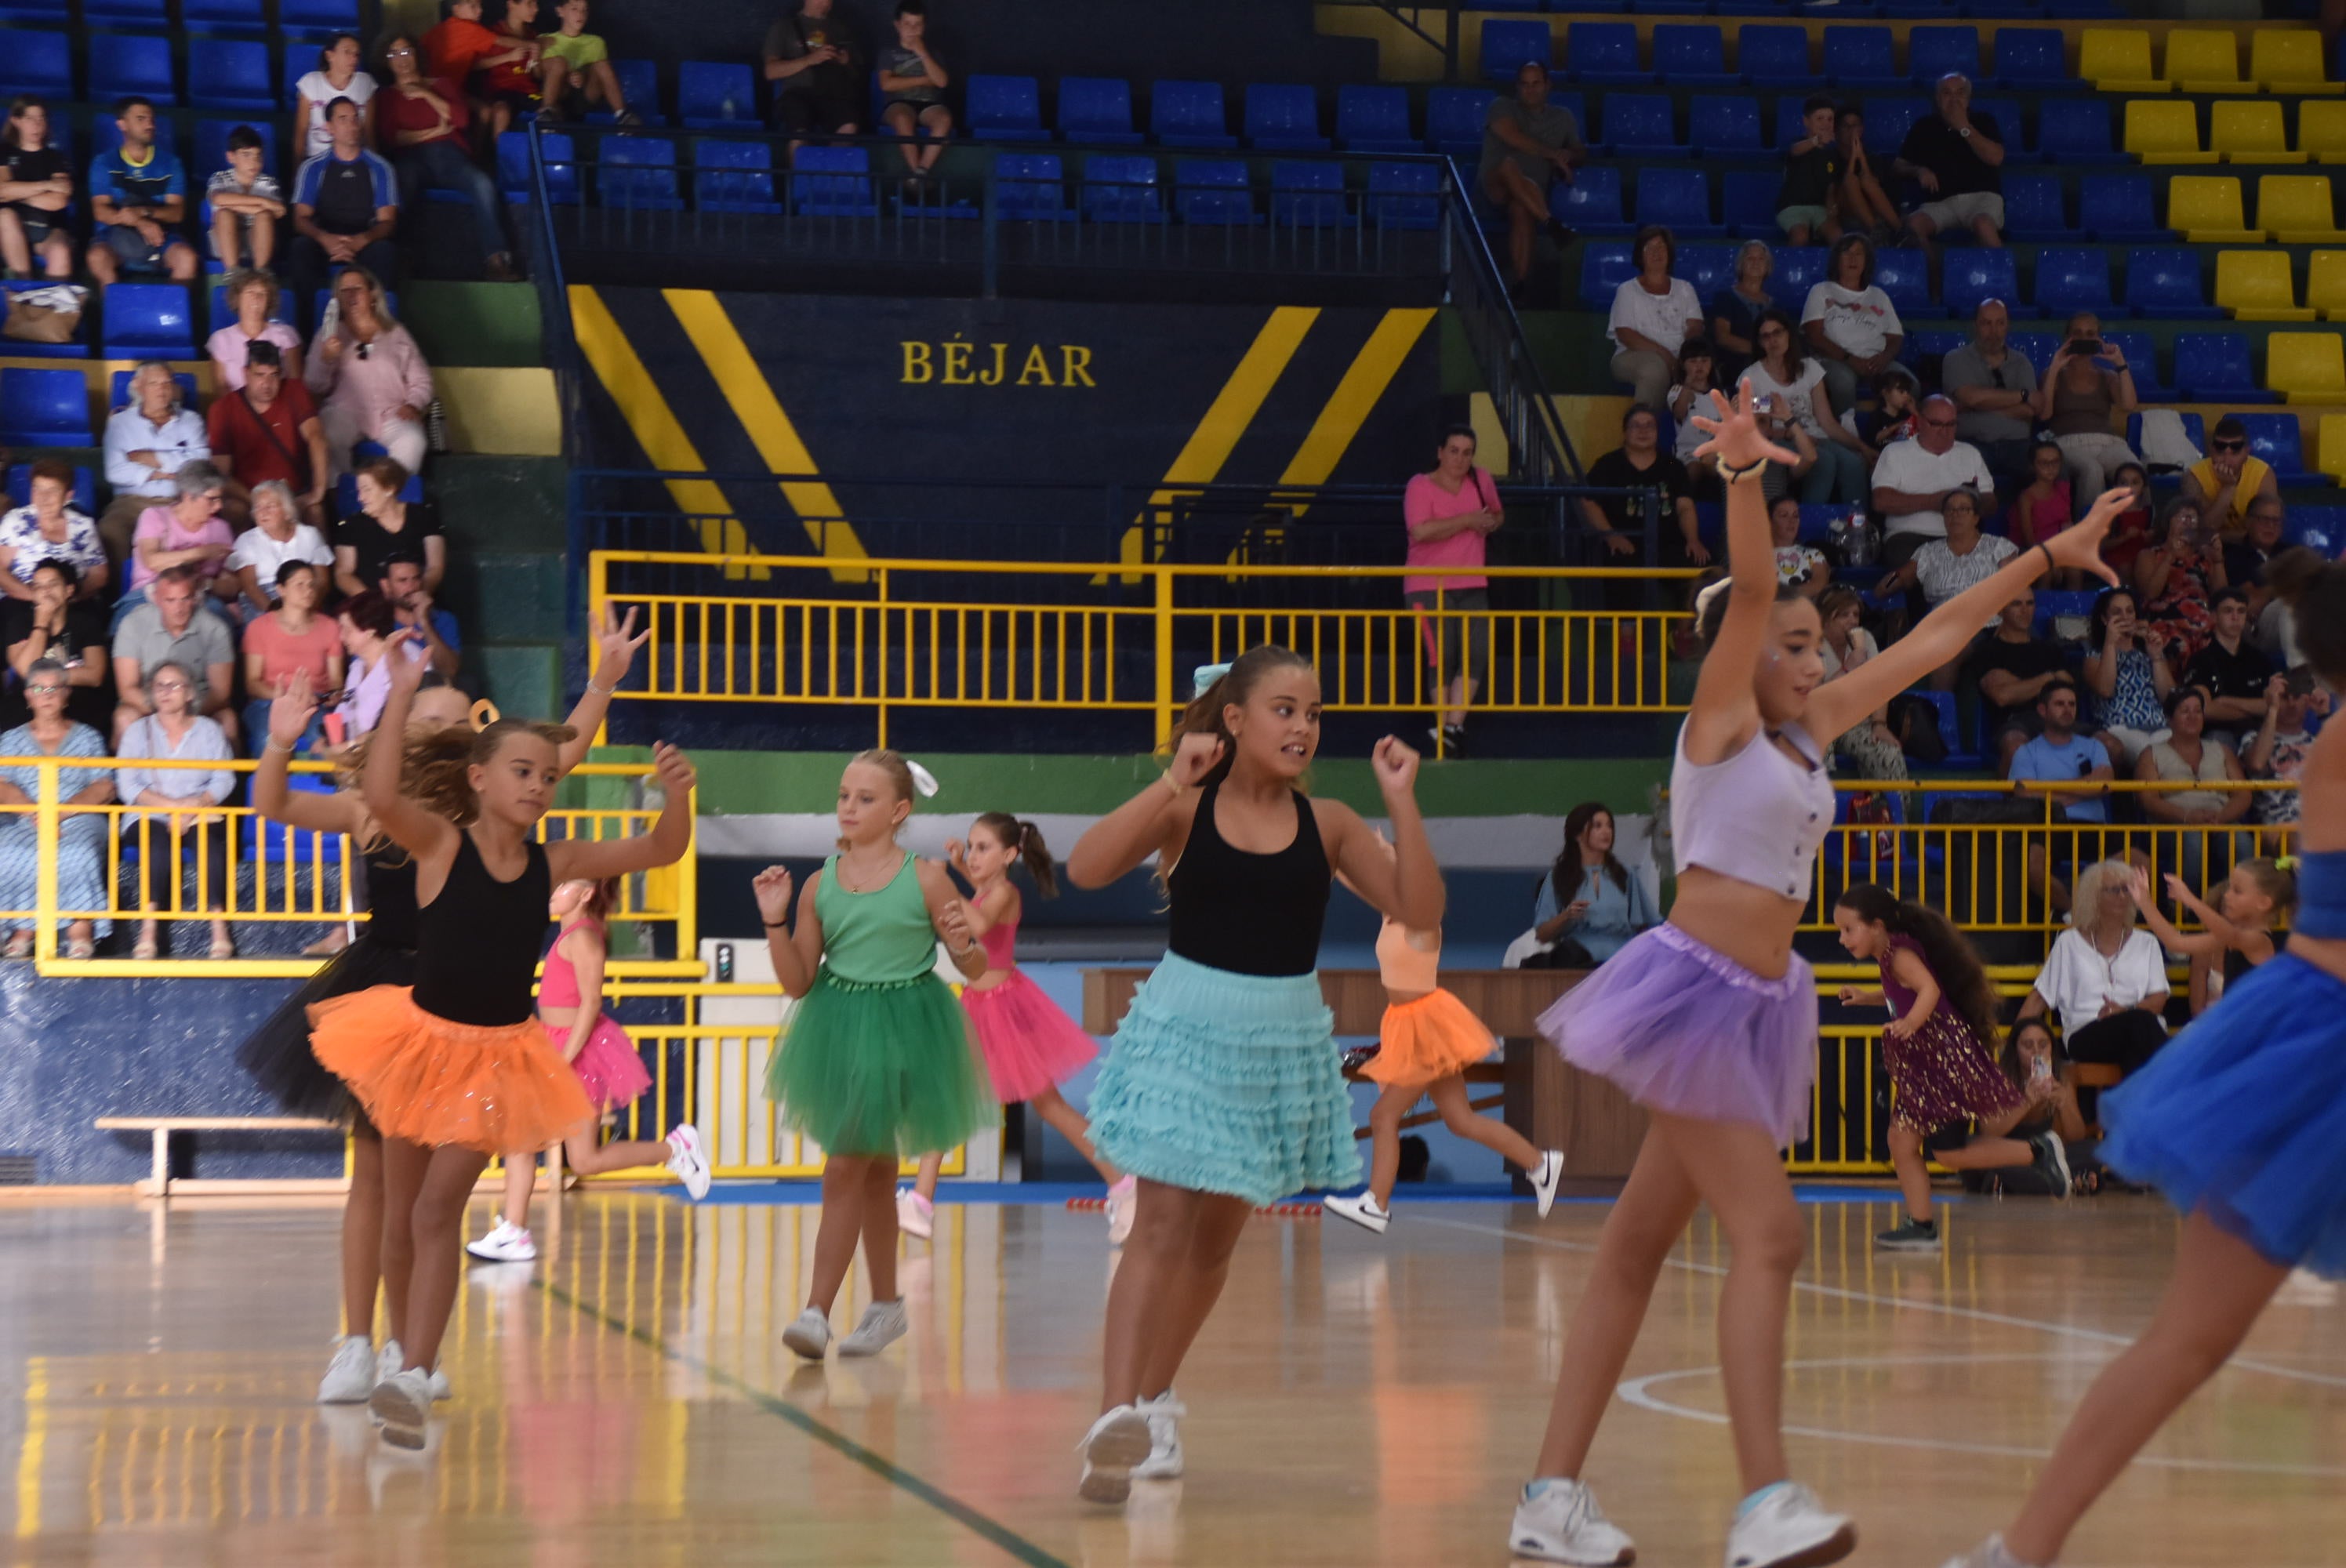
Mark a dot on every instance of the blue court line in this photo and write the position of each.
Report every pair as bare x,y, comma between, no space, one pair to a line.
1056,1194
839,1442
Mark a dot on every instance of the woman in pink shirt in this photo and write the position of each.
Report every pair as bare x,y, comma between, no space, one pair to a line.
1449,513
189,532
368,376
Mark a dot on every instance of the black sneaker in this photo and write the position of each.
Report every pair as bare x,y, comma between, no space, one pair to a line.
1453,740
1911,1236
2053,1163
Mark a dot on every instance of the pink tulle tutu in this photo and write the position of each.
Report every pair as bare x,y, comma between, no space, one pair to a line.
607,1066
1028,1043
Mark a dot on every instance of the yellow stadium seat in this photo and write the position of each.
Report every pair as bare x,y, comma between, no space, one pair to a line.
2256,286
2205,208
2200,60
2295,210
2164,130
2332,458
2325,284
2322,130
2307,367
2249,130
2289,62
2117,60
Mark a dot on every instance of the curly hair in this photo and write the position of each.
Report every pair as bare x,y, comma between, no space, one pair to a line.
436,764
1962,979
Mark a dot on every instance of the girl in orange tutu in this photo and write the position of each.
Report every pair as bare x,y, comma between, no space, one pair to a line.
458,1067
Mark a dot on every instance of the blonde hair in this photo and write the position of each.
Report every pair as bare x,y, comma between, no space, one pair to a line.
434,767
374,293
900,776
2085,904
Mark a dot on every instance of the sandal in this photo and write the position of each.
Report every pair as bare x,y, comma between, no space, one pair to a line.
223,947
147,947
81,947
20,946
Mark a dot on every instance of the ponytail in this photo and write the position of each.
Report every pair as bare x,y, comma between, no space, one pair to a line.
1233,683
1963,981
1025,839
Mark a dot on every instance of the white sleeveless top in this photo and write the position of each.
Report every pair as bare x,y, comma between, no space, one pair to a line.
1758,816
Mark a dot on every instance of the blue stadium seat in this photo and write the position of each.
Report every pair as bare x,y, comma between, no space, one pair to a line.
85,487
121,65
1788,129
2163,282
1725,127
1096,109
146,321
1710,268
41,13
1190,115
1506,45
2033,208
2070,279
1775,56
1887,121
211,145
1933,52
45,408
1603,270
2214,367
1905,276
1121,188
229,74
2077,130
639,85
2320,528
2142,359
640,172
733,177
2274,437
2114,209
1004,109
1208,190
2036,348
117,387
1973,275
1031,188
1748,202
1603,53
126,13
1862,59
1677,198
1373,119
1592,202
2195,430
1405,195
825,181
1929,344
714,96
1641,124
38,63
1309,196
317,18
1798,268
2009,125
1283,117
2031,59
1692,55
513,182
1454,119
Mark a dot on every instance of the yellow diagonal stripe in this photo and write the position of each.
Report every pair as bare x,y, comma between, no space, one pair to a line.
1347,409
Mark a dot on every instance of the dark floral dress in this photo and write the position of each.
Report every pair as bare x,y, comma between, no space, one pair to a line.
1943,1073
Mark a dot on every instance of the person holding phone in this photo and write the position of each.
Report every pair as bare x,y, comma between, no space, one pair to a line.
2085,388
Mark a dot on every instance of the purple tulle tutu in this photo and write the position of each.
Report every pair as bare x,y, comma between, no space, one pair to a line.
1681,1028
1028,1043
607,1066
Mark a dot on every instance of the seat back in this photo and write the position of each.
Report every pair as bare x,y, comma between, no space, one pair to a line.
2072,279
2114,53
45,408
149,316
1887,121
1457,114
1639,120
712,92
639,85
2032,204
1308,195
2274,437
1281,111
1905,276
561,168
1186,108
2254,280
1600,49
2164,276
2321,528
1747,201
2025,55
1605,266
1798,268
1095,106
2115,202
1377,114
1030,185
638,171
1405,195
1772,53
1852,52
1506,45
1121,189
2245,128
229,73
2321,128
2325,281
2074,128
2306,365
1674,198
828,181
2281,59
1729,125
2141,352
731,175
2202,55
2160,125
38,63
1594,197
1973,275
1933,52
2296,202
122,65
1697,49
1710,268
2204,201
1009,107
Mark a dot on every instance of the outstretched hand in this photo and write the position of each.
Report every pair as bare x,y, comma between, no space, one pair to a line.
2079,548
674,769
617,644
772,889
292,710
1736,439
2139,884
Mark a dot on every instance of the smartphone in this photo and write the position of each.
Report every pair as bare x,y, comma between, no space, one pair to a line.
2040,1068
2300,680
2085,346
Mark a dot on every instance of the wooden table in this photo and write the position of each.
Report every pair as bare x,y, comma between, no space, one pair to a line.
1546,1099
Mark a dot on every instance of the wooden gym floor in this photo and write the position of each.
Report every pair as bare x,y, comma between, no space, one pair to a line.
1356,1401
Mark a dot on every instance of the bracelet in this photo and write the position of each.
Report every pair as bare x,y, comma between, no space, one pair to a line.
1172,783
273,744
601,690
1732,475
2050,565
775,924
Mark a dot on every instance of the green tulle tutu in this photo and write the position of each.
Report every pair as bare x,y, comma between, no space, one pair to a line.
881,1069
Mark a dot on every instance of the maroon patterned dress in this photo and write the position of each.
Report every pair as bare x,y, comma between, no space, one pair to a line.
1943,1073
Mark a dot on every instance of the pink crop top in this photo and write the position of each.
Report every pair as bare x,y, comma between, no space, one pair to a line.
1000,944
558,987
1403,967
1757,816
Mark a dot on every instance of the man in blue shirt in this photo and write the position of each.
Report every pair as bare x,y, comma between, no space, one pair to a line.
138,193
345,206
402,583
2060,755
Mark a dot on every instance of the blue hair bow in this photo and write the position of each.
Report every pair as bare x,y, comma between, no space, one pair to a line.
1205,674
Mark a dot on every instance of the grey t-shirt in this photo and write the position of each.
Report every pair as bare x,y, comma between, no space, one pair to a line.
1549,126
1965,368
205,643
794,37
898,61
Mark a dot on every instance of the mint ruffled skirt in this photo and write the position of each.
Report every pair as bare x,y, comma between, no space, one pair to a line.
1226,1083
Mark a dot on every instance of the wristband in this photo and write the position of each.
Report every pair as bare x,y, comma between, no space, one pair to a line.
1732,474
273,744
1172,783
601,690
2050,565
775,924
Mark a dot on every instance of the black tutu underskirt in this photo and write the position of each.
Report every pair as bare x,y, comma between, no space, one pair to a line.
278,1052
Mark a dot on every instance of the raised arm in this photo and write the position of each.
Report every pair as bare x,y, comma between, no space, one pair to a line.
1153,823
795,954
288,718
592,859
1724,713
410,826
1406,883
2203,946
617,644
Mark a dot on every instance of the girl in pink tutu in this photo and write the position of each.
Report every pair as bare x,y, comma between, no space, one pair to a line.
1030,1046
570,1005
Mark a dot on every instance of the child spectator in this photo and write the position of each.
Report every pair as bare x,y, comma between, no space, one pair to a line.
246,206
1695,393
1861,196
2043,509
1808,205
337,76
1897,407
914,85
453,47
137,194
1798,565
578,70
35,192
506,78
2130,531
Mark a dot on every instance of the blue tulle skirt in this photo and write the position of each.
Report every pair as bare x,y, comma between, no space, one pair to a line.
2243,1116
1226,1083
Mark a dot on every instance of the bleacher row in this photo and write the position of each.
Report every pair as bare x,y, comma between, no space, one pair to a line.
299,18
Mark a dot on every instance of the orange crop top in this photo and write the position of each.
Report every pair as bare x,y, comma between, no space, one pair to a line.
1403,967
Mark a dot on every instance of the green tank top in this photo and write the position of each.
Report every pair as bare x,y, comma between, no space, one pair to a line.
880,937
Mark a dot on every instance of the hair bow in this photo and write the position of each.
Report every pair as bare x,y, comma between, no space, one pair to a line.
1702,601
922,779
2285,863
484,714
1205,674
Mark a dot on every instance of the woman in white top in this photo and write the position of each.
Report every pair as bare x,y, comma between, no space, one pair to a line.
1792,385
2105,978
337,76
180,831
1872,743
1653,316
1945,567
1850,324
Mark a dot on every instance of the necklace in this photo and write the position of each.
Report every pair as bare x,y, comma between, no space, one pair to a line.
848,886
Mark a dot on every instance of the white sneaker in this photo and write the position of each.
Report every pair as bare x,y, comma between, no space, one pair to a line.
401,1404
1164,1414
1364,1211
1788,1528
506,1244
882,1325
350,1375
391,1358
1123,1203
1545,1178
809,1333
1989,1553
687,1160
1118,1441
1558,1522
915,1215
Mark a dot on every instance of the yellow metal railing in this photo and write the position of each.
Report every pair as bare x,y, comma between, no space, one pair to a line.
1125,641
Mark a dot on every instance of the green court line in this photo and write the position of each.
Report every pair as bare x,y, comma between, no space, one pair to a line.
887,1470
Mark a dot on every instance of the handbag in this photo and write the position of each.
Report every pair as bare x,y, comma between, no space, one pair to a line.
44,315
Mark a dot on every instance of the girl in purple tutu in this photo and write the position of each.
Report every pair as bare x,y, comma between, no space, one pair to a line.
1030,1045
1709,1020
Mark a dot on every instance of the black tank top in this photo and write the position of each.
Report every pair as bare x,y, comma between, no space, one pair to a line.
391,897
2236,965
476,956
1248,913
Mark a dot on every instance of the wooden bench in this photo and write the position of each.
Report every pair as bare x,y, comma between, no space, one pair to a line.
159,1184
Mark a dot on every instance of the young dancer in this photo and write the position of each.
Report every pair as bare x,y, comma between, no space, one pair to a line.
1030,1046
878,1061
1223,1090
458,1067
2239,1122
1939,1046
570,1005
1709,1020
2241,933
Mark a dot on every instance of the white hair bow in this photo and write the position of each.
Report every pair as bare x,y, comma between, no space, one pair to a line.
1702,601
922,779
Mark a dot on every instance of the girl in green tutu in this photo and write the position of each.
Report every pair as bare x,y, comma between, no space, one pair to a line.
878,1063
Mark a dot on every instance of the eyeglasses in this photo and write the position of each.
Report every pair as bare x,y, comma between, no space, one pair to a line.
2229,445
399,54
49,690
1939,423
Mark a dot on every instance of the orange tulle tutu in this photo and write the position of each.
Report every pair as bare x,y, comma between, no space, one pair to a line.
432,1081
1427,1039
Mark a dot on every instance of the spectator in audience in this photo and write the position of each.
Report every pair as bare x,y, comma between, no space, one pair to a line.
1527,143
2224,482
456,46
49,732
2177,580
145,441
246,206
47,528
576,70
66,631
289,640
1957,158
180,834
252,295
2043,509
1913,478
1863,199
1735,310
35,195
1698,393
818,75
1945,567
1608,903
1791,385
1798,565
384,526
337,76
2130,531
424,625
278,536
1450,513
2057,754
2126,666
1640,466
1850,325
345,208
2230,670
1653,316
369,377
2105,978
189,533
1873,745
137,196
2190,754
370,637
170,629
506,77
2245,558
422,124
1807,204
2079,398
914,88
268,430
1994,389
2281,743
1897,412
2011,666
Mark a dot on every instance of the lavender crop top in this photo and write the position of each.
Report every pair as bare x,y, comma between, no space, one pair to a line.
1757,817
